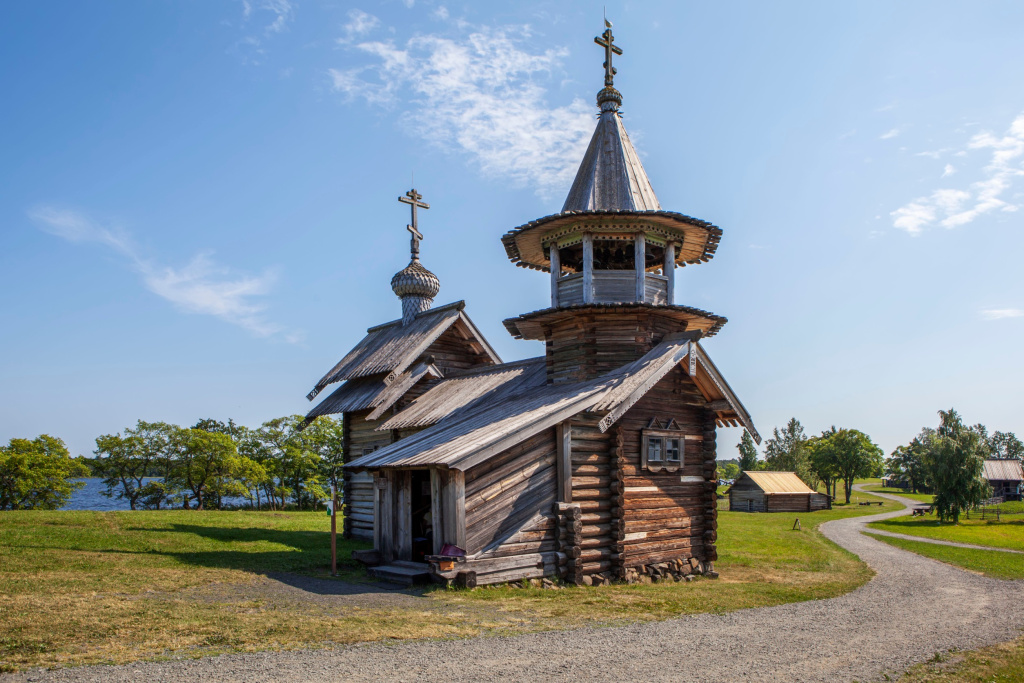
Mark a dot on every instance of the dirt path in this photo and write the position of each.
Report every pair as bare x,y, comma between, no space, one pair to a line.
913,608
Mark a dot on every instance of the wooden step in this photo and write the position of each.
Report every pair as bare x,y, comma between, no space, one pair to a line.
402,572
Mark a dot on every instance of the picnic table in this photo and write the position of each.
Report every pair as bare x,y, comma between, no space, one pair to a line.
921,511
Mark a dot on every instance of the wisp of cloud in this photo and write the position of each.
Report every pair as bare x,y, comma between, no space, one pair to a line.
201,286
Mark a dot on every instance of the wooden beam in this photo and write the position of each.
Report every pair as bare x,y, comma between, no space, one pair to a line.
403,515
385,521
670,273
719,405
556,271
588,268
436,509
564,461
455,509
640,262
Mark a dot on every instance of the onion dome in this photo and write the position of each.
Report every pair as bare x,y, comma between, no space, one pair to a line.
416,287
415,280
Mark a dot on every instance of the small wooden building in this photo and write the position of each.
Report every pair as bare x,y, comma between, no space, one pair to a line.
775,492
1006,477
597,459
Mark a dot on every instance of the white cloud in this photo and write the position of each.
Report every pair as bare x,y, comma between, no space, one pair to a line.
359,24
1001,313
441,13
954,207
200,286
482,94
250,48
889,134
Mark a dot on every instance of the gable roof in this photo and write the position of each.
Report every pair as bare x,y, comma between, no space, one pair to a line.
486,428
390,349
1003,470
777,482
462,390
371,392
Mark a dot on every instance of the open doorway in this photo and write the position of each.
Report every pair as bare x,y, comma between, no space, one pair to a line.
422,523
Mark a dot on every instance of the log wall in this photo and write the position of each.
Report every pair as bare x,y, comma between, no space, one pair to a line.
669,515
583,345
596,490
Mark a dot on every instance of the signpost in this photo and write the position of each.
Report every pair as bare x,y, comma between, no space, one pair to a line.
332,511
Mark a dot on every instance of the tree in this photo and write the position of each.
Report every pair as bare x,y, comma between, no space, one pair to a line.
203,465
822,462
1006,446
956,460
849,454
124,463
748,452
731,471
786,451
325,437
37,474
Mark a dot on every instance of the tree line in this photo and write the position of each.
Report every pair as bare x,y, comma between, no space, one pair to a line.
949,460
836,456
156,465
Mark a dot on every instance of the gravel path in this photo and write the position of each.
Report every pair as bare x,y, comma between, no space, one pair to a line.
913,608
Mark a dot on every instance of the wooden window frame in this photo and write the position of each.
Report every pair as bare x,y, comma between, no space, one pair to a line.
664,436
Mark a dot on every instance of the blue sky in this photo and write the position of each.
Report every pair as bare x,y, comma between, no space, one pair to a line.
198,211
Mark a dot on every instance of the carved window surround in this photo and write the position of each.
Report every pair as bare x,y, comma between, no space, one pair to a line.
661,446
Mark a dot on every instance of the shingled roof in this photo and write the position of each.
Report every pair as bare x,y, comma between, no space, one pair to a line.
468,388
371,392
391,348
488,427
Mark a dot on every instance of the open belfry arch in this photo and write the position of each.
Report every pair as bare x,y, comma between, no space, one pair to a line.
594,462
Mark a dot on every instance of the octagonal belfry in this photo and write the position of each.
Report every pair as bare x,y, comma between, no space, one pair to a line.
612,252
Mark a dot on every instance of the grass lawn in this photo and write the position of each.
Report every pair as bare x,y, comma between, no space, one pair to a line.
993,563
96,587
1008,533
1003,663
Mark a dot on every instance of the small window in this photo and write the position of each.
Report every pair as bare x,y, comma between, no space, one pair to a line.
655,449
673,452
663,442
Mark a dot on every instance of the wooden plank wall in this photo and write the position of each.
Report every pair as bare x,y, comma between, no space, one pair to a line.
746,500
358,487
582,346
509,500
455,350
795,502
667,513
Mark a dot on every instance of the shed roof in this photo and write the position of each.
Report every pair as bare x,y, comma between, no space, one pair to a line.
1003,470
389,349
488,427
777,482
371,392
459,391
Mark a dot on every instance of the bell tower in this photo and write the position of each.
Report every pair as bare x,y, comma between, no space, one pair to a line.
611,252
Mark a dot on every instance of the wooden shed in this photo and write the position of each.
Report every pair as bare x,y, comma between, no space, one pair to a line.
1006,477
775,492
594,462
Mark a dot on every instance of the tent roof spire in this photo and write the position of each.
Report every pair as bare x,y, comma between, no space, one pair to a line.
611,177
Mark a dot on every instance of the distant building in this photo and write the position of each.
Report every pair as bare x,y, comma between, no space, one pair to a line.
1006,477
775,492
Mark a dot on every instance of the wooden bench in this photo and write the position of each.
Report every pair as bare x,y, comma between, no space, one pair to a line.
871,502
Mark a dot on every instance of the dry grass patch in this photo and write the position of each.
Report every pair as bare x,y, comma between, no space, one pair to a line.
1003,663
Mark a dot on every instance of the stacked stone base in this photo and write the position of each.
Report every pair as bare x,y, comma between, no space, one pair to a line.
673,570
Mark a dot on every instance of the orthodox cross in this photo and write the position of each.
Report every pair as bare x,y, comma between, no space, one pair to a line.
607,41
412,198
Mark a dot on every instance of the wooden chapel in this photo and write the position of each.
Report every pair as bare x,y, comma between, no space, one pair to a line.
594,462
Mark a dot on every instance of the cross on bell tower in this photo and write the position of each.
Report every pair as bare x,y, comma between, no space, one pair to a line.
607,41
412,198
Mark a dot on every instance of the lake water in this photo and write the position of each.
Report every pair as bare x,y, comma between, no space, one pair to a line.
90,497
